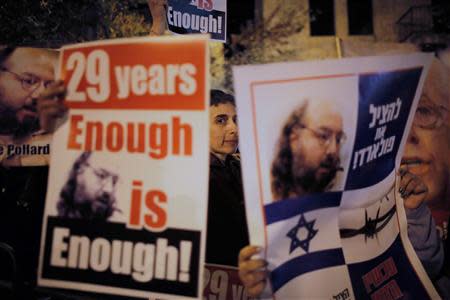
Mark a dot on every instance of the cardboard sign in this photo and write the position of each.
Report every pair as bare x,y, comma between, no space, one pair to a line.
198,16
122,178
222,282
320,175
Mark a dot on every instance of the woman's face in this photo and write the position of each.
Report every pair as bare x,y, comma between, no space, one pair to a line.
428,147
223,132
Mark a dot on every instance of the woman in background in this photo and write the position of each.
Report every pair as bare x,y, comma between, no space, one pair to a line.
227,227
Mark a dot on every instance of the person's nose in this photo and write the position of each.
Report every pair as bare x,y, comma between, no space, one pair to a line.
413,137
38,90
232,127
333,146
108,185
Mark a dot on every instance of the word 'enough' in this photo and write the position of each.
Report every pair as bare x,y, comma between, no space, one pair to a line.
194,22
142,261
131,137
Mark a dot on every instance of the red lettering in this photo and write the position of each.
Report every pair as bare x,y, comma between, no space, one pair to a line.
158,141
205,4
187,130
135,209
380,274
158,217
154,216
391,291
114,134
94,134
74,131
131,143
132,137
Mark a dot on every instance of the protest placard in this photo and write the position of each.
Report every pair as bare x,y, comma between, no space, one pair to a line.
198,16
222,282
24,73
123,165
428,148
319,174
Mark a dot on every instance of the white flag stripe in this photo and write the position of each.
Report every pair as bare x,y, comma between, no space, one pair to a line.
368,245
327,237
333,281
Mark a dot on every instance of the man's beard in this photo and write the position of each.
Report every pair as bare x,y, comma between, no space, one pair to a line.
308,178
10,124
100,208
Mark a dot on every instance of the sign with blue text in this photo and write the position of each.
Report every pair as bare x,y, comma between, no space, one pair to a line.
321,175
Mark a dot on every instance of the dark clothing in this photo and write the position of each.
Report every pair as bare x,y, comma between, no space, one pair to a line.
447,254
22,195
446,242
443,282
22,198
227,231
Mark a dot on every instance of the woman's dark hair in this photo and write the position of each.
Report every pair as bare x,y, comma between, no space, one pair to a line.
219,97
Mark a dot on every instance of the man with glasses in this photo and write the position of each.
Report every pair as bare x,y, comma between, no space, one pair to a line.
24,74
307,159
89,192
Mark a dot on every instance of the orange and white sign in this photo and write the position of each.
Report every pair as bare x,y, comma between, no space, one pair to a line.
129,162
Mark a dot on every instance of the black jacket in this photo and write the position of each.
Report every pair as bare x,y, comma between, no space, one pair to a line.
227,229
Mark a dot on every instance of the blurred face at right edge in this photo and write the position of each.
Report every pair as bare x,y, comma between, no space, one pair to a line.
427,151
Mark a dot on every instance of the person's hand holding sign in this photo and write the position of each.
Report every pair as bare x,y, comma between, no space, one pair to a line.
412,189
51,106
252,271
158,13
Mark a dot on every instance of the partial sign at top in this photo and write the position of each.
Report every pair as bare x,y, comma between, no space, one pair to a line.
198,16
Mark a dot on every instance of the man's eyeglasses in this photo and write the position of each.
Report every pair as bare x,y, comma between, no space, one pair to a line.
429,116
326,136
29,82
103,175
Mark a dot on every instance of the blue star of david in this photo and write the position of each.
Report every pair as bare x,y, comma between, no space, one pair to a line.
304,243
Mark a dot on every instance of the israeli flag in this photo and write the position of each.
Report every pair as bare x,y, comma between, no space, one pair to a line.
304,247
